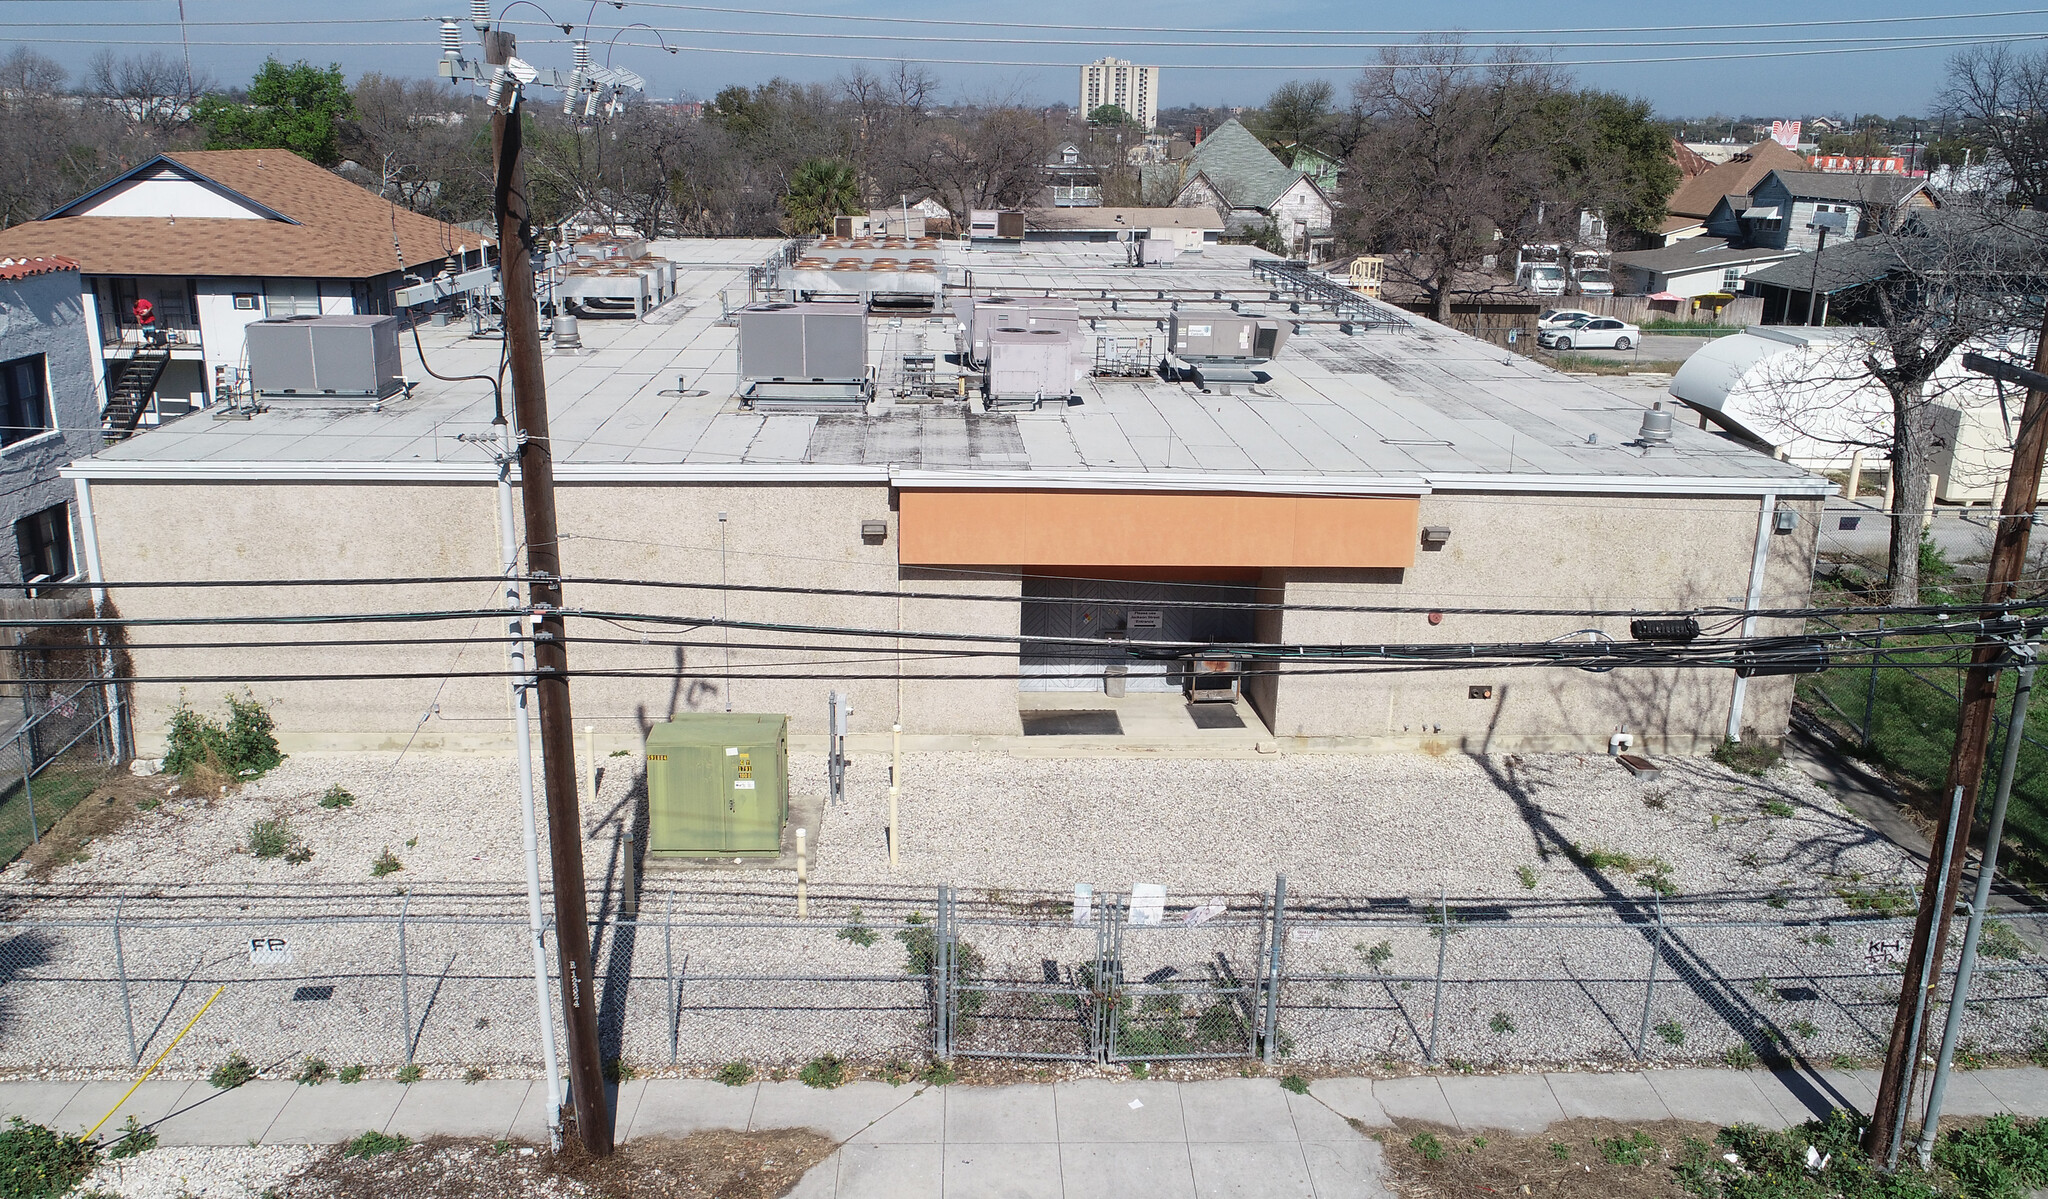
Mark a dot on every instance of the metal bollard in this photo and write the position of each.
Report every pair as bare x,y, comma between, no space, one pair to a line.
629,900
895,789
803,890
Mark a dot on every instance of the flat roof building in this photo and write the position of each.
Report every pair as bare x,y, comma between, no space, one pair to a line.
1133,88
954,566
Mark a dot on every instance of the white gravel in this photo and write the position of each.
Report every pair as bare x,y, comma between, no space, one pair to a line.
1005,831
1394,824
211,1173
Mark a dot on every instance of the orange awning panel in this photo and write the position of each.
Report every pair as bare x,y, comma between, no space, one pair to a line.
1094,528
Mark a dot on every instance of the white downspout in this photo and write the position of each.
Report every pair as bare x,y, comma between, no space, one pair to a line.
1752,601
110,695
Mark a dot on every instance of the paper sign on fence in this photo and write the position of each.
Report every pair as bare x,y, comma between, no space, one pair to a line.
1148,904
269,951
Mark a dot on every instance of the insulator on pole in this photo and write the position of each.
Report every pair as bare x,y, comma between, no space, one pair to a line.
480,14
451,39
582,59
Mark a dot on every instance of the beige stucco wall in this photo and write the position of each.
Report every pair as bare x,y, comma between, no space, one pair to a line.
1554,552
1504,551
807,536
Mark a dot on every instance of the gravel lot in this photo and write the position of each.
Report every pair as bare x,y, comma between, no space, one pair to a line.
1369,844
1337,825
215,1173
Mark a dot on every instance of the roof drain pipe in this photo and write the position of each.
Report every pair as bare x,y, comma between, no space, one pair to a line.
1760,559
522,736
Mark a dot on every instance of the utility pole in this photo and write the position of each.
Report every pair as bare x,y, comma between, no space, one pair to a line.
1973,738
550,656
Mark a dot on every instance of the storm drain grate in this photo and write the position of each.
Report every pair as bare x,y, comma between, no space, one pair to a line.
307,994
1084,723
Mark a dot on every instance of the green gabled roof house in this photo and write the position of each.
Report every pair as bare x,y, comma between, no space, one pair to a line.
1232,171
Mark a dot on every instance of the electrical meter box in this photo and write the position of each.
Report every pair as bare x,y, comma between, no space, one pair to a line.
717,785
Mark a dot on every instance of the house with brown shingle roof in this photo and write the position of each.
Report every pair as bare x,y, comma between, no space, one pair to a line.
1690,206
204,243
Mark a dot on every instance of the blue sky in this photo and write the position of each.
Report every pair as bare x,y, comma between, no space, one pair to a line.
396,37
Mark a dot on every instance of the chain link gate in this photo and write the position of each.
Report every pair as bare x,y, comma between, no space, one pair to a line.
1128,984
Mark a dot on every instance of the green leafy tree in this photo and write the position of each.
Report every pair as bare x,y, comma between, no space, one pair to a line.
1108,114
820,190
297,108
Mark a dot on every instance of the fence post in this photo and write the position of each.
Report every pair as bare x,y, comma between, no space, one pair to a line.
668,948
1870,690
127,1006
28,791
1443,940
1650,991
1273,963
942,970
404,985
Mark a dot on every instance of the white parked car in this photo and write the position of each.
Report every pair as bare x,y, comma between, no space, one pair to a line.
1600,333
1558,318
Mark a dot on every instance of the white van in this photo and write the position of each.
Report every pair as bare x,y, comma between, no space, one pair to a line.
1595,281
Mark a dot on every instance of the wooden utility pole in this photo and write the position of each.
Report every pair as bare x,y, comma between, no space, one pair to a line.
1966,767
544,591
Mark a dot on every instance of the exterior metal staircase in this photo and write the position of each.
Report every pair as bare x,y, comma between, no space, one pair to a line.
132,390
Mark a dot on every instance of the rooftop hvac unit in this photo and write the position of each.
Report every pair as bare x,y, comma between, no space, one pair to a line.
1028,312
804,355
1225,337
325,358
1030,365
985,224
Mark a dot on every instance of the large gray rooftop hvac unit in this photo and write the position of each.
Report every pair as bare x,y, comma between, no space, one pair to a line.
1219,349
804,356
333,358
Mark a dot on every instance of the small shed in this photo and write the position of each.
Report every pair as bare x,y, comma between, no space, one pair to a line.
717,785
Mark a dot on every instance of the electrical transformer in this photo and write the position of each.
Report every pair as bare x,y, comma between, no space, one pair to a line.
717,785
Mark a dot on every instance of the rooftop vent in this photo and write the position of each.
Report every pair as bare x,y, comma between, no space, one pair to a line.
1656,430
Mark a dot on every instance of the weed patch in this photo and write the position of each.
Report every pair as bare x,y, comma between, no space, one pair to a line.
231,1073
38,1162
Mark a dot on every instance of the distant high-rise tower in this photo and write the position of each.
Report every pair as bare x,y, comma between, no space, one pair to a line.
1132,88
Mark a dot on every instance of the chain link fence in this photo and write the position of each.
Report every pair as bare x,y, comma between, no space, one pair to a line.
695,979
51,756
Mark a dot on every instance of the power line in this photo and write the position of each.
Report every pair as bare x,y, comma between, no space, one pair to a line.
1614,29
1931,44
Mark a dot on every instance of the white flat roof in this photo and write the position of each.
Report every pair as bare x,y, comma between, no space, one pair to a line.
1414,408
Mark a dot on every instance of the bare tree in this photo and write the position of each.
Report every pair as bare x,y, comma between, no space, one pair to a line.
1447,162
2000,95
984,158
149,89
422,145
1296,114
1966,277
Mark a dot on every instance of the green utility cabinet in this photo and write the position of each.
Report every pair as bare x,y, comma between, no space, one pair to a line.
717,785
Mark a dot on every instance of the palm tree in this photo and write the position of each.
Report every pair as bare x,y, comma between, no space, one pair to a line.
820,190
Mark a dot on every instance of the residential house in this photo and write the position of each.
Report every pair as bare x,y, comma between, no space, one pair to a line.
1693,202
49,413
1316,165
1071,182
1779,211
1749,232
1694,267
203,243
1233,172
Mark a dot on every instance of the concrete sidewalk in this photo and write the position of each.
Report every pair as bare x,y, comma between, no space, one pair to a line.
1073,1140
